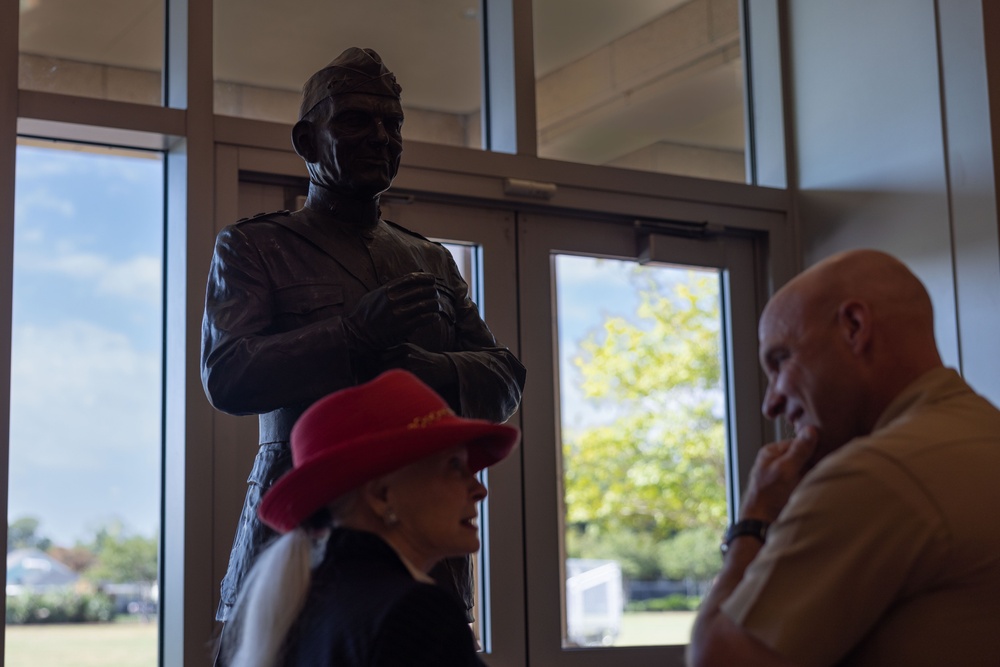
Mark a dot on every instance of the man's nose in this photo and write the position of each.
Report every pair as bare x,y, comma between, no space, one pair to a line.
379,135
774,403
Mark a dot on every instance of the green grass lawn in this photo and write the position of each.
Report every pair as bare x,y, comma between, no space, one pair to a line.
133,644
128,644
652,628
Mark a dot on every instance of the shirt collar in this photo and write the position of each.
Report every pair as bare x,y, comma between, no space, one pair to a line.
932,386
414,571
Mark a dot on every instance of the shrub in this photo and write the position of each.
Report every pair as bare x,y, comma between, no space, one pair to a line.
675,602
59,607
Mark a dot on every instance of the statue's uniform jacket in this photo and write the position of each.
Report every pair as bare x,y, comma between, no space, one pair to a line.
273,340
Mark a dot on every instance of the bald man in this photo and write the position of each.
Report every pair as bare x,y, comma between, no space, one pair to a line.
872,537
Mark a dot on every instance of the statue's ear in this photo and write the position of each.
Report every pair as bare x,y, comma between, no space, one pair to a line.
303,140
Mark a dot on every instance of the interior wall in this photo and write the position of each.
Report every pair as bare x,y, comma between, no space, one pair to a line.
891,138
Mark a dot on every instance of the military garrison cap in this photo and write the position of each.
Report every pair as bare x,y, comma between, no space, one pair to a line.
353,71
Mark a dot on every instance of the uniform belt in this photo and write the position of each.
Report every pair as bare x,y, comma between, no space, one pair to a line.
276,426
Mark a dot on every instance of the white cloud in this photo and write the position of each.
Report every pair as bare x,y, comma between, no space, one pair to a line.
84,429
81,395
32,163
136,278
40,201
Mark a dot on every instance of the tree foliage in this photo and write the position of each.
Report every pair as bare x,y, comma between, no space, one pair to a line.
691,554
22,533
114,555
657,467
65,606
122,556
78,557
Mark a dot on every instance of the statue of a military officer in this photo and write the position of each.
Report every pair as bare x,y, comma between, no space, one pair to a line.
300,304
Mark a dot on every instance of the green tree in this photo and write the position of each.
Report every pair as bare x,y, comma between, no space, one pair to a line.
22,533
78,558
638,554
658,467
122,556
691,554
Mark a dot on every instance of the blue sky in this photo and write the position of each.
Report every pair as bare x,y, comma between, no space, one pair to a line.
86,340
589,290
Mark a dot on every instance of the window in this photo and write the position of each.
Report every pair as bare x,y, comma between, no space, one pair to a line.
85,443
654,85
108,50
264,52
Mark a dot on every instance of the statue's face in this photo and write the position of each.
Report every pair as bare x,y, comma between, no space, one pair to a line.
359,142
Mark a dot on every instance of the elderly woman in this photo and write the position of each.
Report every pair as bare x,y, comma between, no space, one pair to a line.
383,487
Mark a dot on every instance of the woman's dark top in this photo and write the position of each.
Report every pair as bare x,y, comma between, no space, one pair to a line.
365,608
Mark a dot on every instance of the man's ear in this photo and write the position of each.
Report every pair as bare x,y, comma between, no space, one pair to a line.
303,140
855,321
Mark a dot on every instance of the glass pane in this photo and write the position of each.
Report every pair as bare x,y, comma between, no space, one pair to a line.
643,447
655,85
467,259
265,51
111,49
85,444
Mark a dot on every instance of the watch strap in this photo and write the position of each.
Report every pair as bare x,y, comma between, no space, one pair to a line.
745,528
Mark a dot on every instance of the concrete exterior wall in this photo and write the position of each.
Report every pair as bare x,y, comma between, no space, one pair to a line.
672,77
879,163
69,77
694,161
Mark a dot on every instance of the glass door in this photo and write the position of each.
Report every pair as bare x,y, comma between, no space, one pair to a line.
635,415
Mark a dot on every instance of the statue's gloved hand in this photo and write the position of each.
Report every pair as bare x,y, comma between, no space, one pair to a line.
386,316
434,368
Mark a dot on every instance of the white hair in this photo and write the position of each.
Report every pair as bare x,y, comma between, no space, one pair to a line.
276,588
271,598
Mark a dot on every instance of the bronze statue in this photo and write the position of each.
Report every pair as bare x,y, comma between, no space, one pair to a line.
301,304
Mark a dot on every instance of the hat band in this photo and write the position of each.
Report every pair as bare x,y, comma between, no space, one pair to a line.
428,419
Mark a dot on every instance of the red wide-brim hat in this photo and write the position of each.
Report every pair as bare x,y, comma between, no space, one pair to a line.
358,434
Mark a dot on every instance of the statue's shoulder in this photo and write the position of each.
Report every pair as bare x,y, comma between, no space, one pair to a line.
260,217
408,232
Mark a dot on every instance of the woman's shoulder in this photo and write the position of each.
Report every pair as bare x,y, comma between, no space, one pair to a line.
425,625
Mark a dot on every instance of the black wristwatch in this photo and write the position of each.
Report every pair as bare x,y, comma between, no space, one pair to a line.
744,528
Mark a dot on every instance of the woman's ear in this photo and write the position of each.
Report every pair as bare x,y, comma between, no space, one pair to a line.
303,140
375,494
855,321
